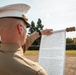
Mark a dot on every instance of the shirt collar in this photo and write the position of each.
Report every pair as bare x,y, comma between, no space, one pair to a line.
10,47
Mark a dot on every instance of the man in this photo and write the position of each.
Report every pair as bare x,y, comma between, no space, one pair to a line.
13,24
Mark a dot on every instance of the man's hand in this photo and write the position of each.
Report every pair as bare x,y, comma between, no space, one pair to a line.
46,31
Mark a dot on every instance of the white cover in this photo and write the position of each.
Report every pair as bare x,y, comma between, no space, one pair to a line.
15,10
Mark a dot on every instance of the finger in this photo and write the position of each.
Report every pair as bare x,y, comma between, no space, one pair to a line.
49,29
49,32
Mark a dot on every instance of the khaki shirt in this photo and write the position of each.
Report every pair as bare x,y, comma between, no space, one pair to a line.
13,62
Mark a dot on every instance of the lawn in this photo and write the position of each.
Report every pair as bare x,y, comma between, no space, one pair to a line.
36,52
71,52
32,52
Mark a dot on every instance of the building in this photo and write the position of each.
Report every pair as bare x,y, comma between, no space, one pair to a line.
74,39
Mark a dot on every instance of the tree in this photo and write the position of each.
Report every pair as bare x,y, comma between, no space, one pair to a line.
69,41
39,25
34,28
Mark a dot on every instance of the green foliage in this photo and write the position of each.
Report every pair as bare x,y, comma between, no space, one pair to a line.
34,28
69,41
39,25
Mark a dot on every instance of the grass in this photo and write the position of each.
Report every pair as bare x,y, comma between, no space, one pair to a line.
71,52
36,52
32,52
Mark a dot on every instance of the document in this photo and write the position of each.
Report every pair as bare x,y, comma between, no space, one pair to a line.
52,52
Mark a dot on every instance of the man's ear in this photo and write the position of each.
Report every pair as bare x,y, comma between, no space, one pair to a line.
20,29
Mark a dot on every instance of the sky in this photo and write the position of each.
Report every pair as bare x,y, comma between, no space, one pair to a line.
55,14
